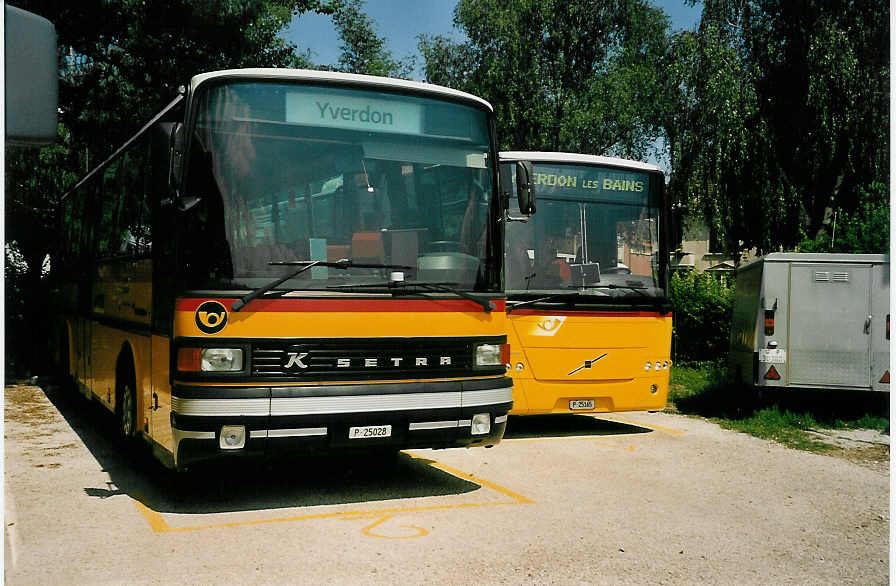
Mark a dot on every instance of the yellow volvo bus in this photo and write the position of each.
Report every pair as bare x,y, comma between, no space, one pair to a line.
293,260
589,320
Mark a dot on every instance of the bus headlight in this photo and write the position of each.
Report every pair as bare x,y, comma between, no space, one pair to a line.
209,359
491,354
221,359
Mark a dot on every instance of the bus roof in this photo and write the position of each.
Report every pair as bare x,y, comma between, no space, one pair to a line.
576,158
333,77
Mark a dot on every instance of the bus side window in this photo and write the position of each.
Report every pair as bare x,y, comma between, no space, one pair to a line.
135,230
124,229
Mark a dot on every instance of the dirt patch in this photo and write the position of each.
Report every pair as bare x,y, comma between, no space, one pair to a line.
850,438
27,404
866,447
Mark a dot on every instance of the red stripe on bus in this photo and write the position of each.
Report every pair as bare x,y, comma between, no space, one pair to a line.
344,305
590,313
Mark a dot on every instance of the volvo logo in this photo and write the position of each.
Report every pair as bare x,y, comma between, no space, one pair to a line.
211,317
587,364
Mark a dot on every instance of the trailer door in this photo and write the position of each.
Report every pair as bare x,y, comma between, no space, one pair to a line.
829,343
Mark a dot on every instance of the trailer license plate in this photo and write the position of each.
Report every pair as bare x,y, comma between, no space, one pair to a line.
581,404
772,355
369,431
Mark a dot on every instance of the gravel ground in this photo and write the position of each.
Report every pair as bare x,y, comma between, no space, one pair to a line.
621,499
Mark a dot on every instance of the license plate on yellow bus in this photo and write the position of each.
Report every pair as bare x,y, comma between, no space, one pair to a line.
581,404
369,431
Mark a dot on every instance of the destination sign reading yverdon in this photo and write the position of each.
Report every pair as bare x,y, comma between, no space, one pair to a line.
353,112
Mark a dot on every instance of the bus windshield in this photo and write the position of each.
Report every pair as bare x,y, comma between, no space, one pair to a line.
596,230
288,172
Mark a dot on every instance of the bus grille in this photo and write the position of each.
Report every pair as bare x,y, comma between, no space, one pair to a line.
362,359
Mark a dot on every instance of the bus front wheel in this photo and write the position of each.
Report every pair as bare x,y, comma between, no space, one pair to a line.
127,408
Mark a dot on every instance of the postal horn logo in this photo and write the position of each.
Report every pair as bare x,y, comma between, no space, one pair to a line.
211,317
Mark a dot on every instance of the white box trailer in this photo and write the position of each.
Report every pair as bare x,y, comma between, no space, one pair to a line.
819,321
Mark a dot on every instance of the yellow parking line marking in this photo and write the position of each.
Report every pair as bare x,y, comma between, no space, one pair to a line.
518,498
159,525
418,531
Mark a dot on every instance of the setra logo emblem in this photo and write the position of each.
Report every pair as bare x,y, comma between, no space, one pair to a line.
211,317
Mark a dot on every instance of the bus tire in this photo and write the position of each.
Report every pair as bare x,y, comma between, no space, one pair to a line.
126,401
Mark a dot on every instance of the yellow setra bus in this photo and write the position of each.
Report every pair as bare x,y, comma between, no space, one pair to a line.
288,260
586,277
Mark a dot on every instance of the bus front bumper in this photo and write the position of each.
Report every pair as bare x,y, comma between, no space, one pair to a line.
302,419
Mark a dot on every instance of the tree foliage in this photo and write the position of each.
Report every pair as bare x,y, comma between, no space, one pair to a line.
362,50
787,118
569,76
866,229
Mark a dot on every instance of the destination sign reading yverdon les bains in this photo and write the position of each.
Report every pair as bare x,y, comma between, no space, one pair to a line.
353,112
584,181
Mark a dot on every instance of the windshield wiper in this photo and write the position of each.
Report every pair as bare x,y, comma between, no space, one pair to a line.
571,295
304,265
486,304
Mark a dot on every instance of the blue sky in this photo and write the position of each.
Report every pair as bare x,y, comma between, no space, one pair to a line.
400,21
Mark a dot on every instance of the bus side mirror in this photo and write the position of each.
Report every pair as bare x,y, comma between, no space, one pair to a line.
524,193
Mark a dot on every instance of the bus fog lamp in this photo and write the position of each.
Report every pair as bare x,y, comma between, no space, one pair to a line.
482,424
221,359
653,389
488,355
233,437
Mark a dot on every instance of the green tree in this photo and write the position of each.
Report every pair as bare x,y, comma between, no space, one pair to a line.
362,50
786,116
574,76
865,230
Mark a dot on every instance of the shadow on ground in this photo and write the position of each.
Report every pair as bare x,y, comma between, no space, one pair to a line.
721,399
557,425
245,486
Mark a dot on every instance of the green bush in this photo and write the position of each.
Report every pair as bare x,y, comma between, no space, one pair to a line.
702,303
864,231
